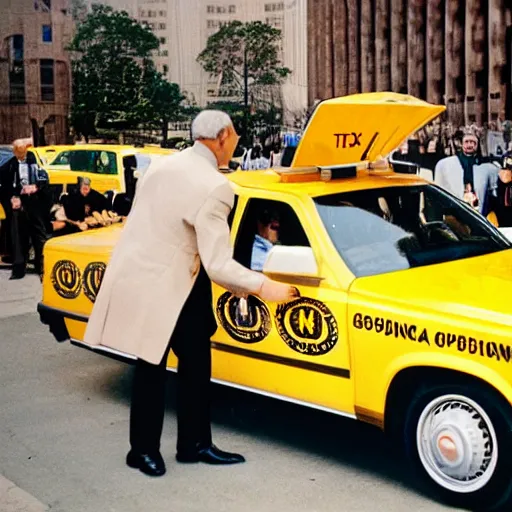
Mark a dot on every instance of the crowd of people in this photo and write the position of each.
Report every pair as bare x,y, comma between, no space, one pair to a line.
467,168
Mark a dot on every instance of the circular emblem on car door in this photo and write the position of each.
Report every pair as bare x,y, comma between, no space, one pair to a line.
93,275
307,326
66,279
250,324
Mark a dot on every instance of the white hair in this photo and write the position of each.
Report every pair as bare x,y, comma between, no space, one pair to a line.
209,123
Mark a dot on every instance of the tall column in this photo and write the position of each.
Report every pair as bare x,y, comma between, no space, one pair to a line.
454,60
497,59
367,47
327,62
416,47
382,53
313,68
320,36
340,48
435,51
476,42
353,30
399,45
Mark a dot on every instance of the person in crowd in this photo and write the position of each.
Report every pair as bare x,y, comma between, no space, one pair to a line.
24,194
266,157
123,202
276,155
175,242
254,158
267,236
467,176
85,202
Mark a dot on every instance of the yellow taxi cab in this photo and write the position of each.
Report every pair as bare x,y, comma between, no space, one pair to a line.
104,164
404,319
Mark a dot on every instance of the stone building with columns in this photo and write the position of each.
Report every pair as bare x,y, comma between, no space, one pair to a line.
453,52
35,71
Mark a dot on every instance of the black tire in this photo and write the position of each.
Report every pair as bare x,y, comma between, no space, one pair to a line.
496,494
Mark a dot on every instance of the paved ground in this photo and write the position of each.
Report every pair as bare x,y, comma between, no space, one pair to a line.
63,438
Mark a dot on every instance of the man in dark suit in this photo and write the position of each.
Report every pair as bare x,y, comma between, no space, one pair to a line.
25,198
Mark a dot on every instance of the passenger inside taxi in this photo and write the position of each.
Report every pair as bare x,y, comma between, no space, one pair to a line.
266,223
266,237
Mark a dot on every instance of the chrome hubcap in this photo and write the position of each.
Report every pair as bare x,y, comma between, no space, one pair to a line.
457,444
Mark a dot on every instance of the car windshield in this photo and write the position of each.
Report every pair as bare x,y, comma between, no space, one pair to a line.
383,230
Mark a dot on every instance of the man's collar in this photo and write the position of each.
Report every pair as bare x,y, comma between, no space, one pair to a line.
263,241
205,152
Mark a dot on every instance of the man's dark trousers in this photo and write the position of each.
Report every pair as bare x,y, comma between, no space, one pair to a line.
190,342
28,224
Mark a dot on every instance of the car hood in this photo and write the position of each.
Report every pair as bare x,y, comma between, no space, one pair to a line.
95,241
476,288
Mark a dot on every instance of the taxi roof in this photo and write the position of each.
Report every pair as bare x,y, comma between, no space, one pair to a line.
366,179
122,148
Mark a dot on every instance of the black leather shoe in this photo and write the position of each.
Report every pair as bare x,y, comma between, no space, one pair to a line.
18,272
152,465
211,455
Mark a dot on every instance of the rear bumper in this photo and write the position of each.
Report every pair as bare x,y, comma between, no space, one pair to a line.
55,319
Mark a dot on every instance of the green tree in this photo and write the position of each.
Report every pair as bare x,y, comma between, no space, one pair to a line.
245,56
111,63
166,103
245,50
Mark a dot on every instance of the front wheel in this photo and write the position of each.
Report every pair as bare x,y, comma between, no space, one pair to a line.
459,438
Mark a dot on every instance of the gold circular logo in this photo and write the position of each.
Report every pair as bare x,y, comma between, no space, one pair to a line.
66,279
93,276
250,324
307,326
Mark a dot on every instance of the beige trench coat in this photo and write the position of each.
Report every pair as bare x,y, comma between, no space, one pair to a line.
179,218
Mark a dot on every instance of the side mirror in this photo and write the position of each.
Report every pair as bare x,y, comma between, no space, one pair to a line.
294,265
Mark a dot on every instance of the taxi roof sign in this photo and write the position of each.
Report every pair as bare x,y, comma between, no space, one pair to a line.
361,128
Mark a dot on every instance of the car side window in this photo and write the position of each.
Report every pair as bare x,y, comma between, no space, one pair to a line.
62,159
93,161
266,223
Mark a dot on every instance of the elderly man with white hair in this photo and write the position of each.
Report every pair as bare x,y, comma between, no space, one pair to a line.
26,200
156,293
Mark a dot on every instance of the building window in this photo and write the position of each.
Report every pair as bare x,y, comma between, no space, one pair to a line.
232,9
16,70
166,69
162,14
164,53
43,5
221,9
210,9
47,80
142,13
274,21
47,33
274,7
162,26
163,40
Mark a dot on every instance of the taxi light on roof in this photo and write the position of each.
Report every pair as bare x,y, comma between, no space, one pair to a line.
307,174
